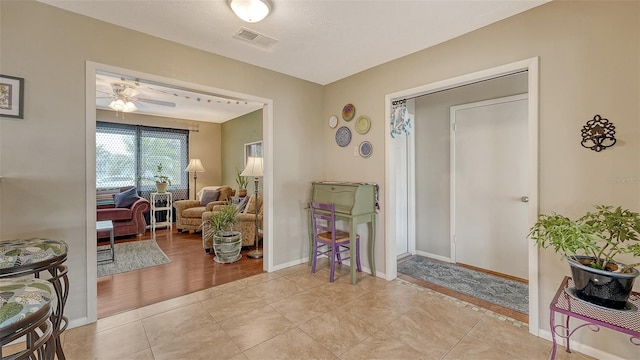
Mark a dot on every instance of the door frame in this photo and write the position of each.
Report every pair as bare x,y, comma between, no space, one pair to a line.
90,163
452,157
531,65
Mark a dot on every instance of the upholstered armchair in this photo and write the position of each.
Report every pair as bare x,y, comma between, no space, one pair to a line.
245,223
189,212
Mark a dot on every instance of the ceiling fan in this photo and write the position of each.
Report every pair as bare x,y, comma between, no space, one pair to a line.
125,98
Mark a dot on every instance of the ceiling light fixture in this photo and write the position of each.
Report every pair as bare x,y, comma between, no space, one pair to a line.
251,10
123,104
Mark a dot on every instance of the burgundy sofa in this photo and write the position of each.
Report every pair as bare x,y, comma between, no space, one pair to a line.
126,221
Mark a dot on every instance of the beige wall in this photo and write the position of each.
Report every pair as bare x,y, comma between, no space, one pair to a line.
43,156
589,56
204,144
236,133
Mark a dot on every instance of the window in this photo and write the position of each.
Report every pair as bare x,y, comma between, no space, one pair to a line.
128,155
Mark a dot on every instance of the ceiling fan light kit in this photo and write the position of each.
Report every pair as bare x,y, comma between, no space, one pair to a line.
123,105
251,11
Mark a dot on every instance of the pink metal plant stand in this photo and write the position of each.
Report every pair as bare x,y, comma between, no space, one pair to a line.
625,321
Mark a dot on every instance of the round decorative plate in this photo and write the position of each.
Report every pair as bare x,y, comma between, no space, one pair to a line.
363,124
343,136
348,112
333,121
365,149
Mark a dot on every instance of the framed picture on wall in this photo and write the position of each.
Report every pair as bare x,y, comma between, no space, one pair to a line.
11,96
252,149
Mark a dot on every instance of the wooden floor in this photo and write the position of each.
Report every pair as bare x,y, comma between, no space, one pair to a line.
190,270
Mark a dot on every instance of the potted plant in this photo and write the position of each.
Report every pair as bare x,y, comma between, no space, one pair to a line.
242,182
590,244
227,243
161,180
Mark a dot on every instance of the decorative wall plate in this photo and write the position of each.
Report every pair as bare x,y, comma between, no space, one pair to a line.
348,112
365,149
343,136
363,124
333,121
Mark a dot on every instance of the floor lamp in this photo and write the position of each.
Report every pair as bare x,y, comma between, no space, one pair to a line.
254,168
195,166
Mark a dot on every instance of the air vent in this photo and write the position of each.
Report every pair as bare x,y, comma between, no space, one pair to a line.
255,38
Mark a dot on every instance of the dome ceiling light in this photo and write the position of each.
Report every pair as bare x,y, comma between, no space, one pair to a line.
251,10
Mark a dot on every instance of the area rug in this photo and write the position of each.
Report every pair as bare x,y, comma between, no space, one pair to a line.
507,293
131,256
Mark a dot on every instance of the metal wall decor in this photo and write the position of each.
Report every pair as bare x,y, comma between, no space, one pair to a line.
598,134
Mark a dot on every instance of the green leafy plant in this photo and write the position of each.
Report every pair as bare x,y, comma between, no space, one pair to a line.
221,220
242,181
602,235
160,177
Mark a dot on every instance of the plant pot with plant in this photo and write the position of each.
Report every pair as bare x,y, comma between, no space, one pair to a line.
242,182
591,244
162,180
227,243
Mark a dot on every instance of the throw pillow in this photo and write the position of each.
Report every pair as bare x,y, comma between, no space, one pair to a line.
126,198
209,196
251,207
242,204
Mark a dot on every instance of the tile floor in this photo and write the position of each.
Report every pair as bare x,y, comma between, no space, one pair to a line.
293,314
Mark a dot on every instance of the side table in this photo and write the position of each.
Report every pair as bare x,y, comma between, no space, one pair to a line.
107,225
168,207
22,257
624,321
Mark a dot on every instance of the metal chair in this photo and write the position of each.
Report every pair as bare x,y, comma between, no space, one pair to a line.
329,241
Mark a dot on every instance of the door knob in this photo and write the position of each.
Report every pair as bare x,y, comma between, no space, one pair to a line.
524,199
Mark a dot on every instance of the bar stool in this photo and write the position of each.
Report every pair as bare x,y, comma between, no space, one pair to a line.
26,308
23,257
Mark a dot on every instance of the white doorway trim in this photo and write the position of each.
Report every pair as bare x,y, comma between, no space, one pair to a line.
90,162
531,66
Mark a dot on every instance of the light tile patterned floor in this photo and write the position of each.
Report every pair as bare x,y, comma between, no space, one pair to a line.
293,314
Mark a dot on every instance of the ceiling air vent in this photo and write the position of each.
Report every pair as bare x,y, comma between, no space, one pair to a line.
255,38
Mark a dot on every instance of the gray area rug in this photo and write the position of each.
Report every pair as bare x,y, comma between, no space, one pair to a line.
510,294
131,256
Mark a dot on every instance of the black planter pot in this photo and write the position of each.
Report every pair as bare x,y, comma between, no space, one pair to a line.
604,288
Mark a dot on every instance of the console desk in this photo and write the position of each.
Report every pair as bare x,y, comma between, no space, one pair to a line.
355,203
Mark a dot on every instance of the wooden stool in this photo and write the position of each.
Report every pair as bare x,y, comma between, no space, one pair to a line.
26,308
23,257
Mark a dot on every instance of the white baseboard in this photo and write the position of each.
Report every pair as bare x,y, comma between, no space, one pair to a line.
579,347
433,256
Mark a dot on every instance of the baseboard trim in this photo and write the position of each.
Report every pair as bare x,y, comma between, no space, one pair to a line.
579,347
434,256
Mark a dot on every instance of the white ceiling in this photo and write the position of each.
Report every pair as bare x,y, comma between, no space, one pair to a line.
321,41
157,99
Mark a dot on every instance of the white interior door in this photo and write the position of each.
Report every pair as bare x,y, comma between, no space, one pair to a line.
490,182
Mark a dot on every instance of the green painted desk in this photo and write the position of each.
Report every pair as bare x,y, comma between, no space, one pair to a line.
356,204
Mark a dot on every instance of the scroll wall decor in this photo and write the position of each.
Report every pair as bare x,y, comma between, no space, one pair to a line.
598,134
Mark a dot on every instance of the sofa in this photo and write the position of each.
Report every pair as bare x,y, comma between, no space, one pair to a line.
189,212
245,222
126,213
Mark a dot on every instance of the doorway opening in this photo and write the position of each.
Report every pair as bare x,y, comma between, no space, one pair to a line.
92,69
405,183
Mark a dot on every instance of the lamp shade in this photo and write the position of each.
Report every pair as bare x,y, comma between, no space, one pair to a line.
195,165
254,167
250,10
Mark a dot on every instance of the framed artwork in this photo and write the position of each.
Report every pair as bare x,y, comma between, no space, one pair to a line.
252,149
11,96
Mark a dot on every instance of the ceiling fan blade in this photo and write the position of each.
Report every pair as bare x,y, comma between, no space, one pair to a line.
157,102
